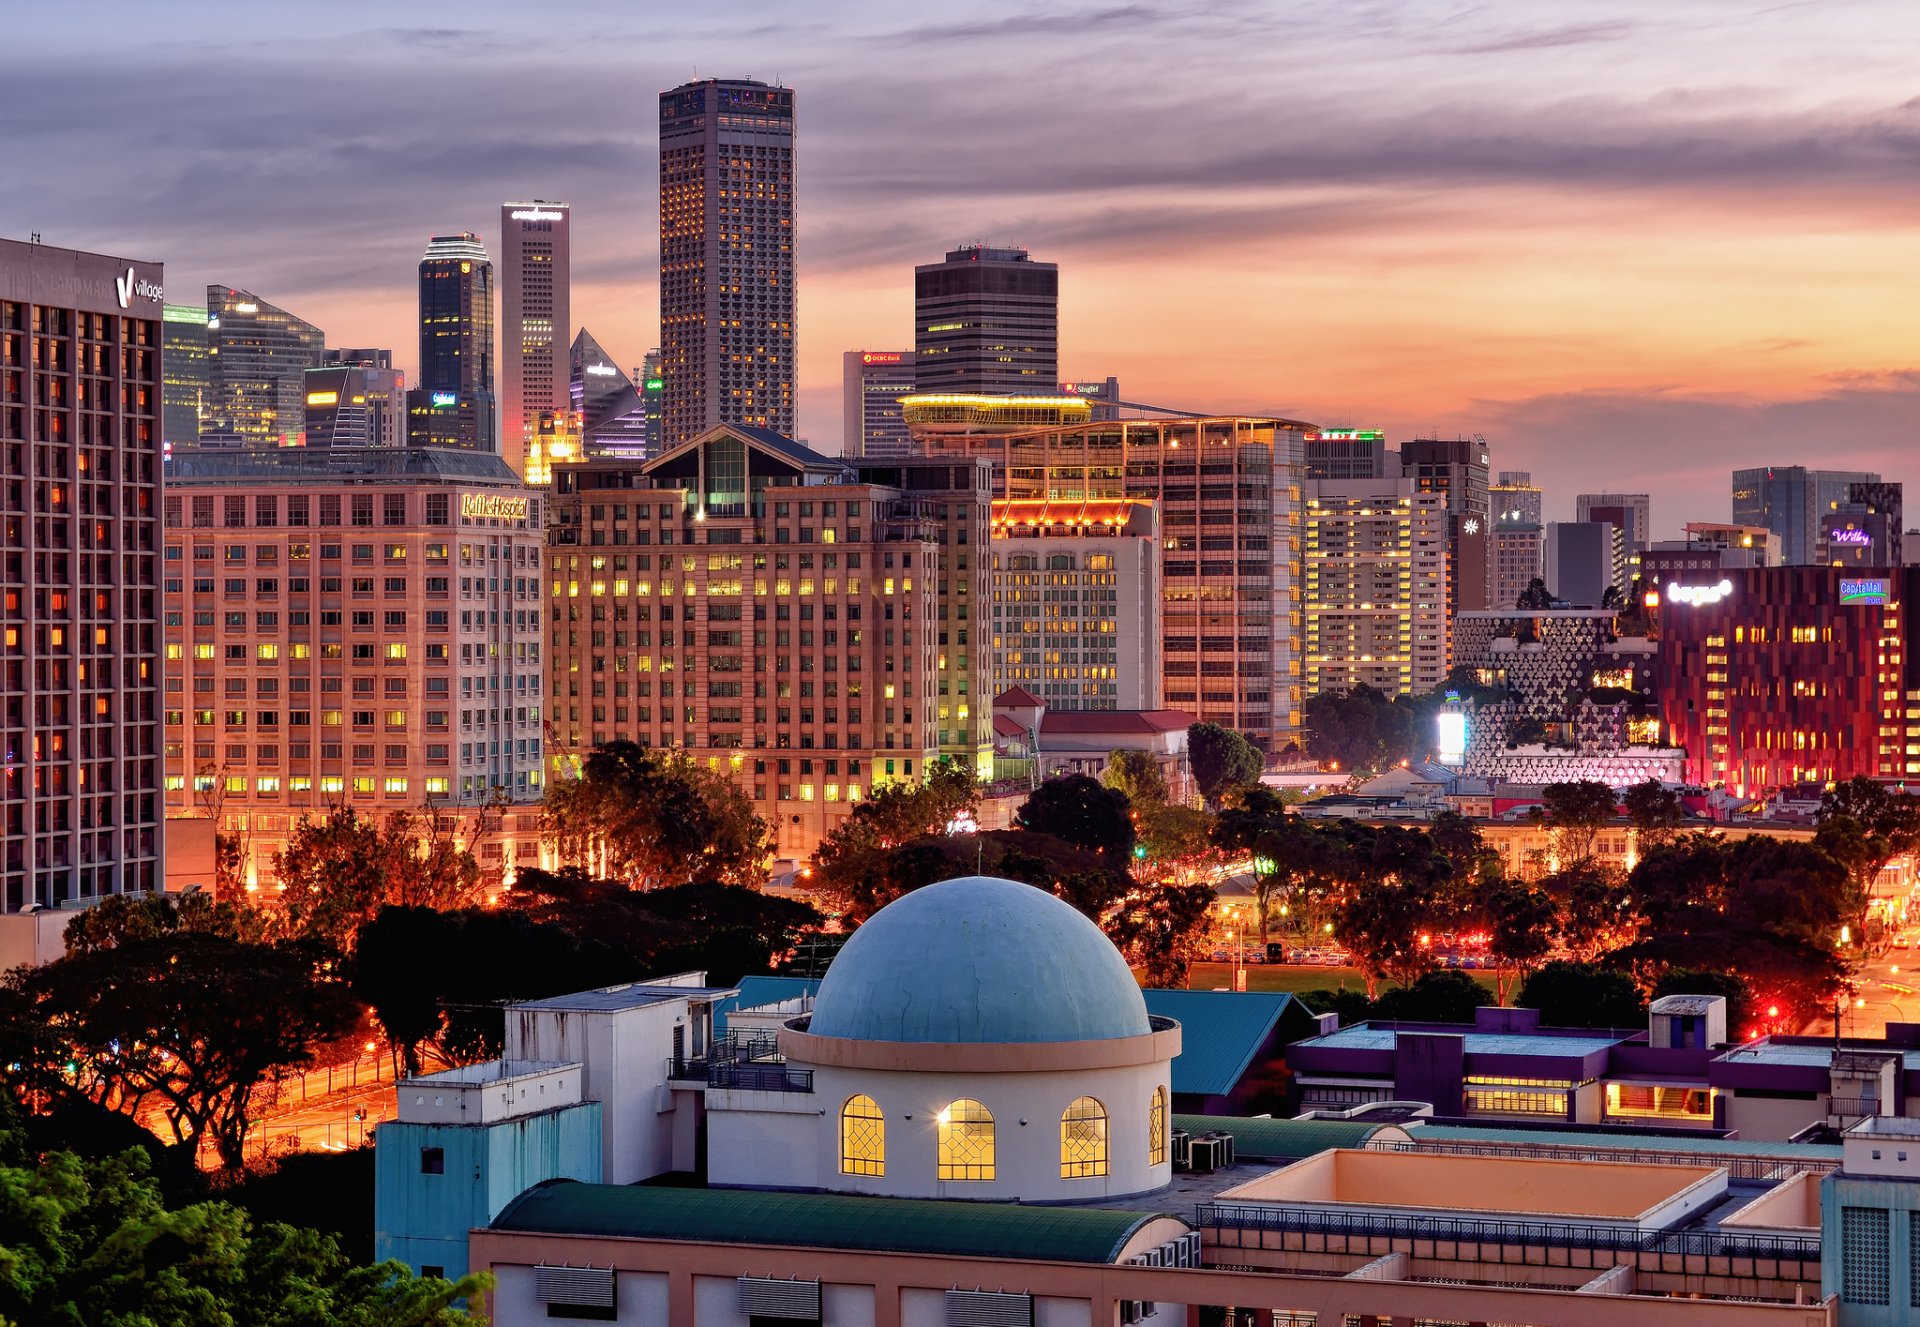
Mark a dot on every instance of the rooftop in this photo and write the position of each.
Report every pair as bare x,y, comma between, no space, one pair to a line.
825,1221
488,1071
1114,721
1290,1140
634,995
1222,1031
213,465
1376,1037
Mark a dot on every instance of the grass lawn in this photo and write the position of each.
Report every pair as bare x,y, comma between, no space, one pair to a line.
1281,977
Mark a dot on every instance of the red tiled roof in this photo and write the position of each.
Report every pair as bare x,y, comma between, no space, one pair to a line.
1007,727
1115,721
1017,698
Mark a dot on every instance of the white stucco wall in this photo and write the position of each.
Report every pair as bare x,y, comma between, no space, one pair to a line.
639,1298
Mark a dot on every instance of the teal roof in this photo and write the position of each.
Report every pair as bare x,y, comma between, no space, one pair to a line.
1220,1033
979,959
1280,1140
1598,1138
759,990
824,1221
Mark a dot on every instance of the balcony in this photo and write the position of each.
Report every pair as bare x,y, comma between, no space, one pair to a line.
749,1063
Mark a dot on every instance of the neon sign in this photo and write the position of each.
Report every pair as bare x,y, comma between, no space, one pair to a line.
441,400
492,507
536,214
1698,595
1849,536
1872,591
602,370
881,357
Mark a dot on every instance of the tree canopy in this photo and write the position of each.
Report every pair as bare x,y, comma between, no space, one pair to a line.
1221,760
1081,811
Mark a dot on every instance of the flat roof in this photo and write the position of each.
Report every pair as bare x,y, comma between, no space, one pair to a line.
1775,1052
1367,1037
635,995
1624,1140
825,1221
1286,1140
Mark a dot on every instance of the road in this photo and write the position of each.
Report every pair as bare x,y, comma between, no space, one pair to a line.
331,1108
1886,990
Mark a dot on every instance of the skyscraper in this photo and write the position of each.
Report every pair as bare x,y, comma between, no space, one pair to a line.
1629,513
535,314
257,356
453,406
1517,550
183,361
871,387
613,415
80,735
356,398
653,391
1458,468
1790,500
727,325
1375,586
986,320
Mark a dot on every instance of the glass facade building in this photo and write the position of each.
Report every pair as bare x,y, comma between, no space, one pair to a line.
1790,500
183,366
535,313
456,347
257,358
987,320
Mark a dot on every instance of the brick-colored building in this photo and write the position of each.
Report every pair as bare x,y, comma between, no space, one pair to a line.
763,608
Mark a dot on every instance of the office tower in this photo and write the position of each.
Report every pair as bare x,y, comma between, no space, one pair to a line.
1790,500
653,391
1458,468
1374,589
453,403
183,362
1865,529
1228,490
257,358
872,384
356,398
80,421
357,627
1629,513
986,320
798,650
727,316
1346,454
611,411
1585,560
1076,603
1104,393
535,314
1517,548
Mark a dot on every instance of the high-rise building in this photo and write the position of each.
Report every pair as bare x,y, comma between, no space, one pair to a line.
257,358
1104,393
1790,500
1517,548
356,398
873,383
1346,454
357,627
653,391
1375,586
727,296
184,362
1458,468
1629,513
1866,529
612,413
453,404
986,320
80,423
1585,560
798,649
1228,490
535,314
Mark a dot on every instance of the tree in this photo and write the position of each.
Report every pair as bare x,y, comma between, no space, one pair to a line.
1138,776
1159,927
1520,924
338,870
1864,825
1536,597
848,860
1081,811
1582,995
1655,812
650,817
1221,760
1596,909
1448,996
1176,842
1576,812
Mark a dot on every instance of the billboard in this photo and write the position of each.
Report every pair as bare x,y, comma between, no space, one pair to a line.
1453,736
1867,590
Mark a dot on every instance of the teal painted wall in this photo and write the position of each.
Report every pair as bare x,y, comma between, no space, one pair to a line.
1900,1199
423,1219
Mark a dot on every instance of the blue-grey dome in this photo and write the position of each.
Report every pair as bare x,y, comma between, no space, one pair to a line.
979,959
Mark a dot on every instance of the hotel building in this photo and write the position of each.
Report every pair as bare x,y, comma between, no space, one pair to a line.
535,309
1375,586
80,424
727,294
773,613
1517,548
357,627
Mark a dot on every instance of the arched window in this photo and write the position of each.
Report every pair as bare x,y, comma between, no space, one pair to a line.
863,1137
1157,1127
1083,1140
966,1141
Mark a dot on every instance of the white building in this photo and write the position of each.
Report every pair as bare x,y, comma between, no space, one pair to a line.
1376,586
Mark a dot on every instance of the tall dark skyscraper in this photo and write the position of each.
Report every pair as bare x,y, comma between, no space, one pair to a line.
727,319
257,358
987,320
80,729
1457,467
1790,500
453,405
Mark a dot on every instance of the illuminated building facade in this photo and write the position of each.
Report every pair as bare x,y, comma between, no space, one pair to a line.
356,398
986,320
1076,603
535,309
1866,529
350,627
1346,454
1777,676
612,413
1374,578
761,607
727,301
1457,469
183,362
257,359
1103,393
1517,548
653,392
454,403
1229,496
873,381
1790,500
80,423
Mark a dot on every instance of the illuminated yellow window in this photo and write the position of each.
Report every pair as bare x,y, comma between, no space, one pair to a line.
863,1137
396,718
363,785
966,1141
266,653
397,649
266,783
300,783
1083,1140
1157,1128
396,784
203,651
300,651
438,783
173,651
332,783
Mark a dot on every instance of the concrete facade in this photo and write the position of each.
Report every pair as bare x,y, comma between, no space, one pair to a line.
536,256
1375,594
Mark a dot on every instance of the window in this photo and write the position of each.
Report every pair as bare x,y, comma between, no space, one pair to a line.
1083,1140
863,1138
433,1161
966,1141
1157,1128
1864,1251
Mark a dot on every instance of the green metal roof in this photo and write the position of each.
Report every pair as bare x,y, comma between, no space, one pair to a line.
824,1221
1461,1133
1280,1140
1221,1032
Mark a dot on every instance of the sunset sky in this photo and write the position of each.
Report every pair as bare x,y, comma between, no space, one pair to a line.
1634,244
